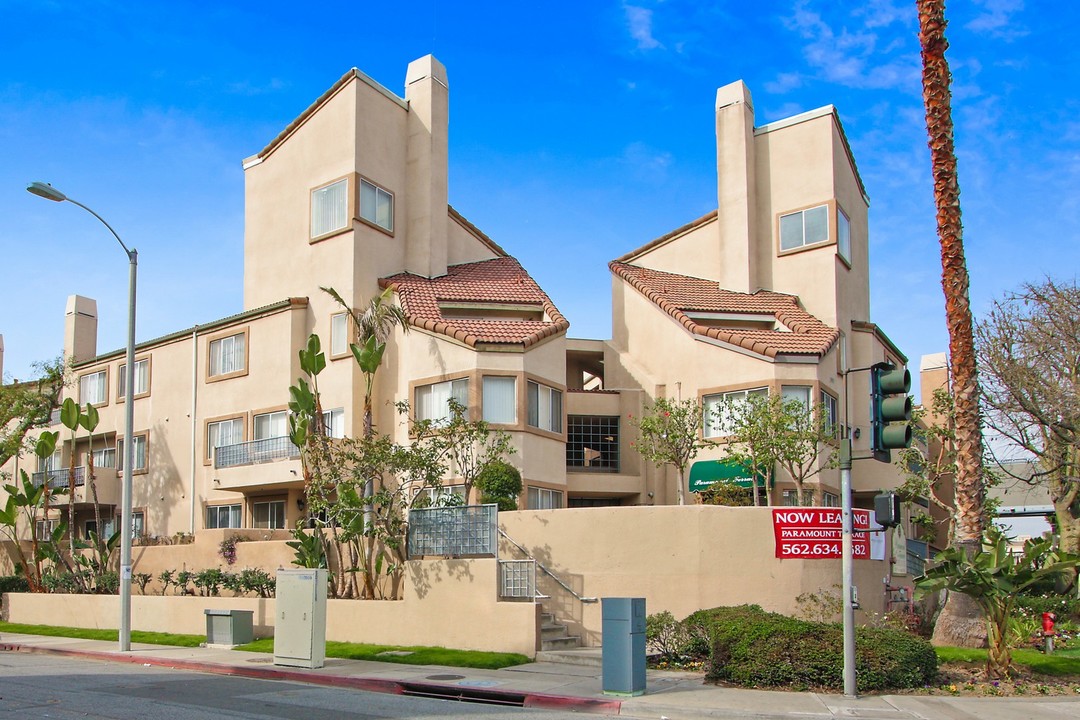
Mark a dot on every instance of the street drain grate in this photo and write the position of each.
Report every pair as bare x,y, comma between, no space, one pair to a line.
445,677
260,661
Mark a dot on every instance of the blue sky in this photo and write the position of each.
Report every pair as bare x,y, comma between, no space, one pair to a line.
579,131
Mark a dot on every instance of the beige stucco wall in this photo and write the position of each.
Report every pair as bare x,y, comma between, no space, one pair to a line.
466,588
678,559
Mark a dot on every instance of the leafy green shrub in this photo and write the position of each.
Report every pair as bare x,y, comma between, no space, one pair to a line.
257,581
675,641
13,584
142,580
209,581
753,648
499,482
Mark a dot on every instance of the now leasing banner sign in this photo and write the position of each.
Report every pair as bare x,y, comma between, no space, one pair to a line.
811,533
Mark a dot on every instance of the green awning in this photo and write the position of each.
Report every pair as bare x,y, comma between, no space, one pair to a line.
704,473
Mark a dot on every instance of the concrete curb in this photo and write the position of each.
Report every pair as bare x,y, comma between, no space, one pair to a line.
367,684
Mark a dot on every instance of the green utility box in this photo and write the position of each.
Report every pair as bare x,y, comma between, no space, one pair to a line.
228,628
623,654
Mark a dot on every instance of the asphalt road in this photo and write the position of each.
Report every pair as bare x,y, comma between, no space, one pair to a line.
41,686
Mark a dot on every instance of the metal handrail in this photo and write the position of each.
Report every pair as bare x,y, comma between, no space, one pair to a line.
553,576
59,478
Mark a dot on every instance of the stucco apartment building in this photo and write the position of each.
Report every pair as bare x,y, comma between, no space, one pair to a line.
769,293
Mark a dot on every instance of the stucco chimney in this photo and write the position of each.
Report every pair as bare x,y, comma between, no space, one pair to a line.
736,196
80,328
428,94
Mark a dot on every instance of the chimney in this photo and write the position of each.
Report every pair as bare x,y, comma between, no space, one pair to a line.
428,95
736,196
80,329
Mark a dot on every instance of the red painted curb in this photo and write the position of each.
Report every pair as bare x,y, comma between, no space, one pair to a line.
392,687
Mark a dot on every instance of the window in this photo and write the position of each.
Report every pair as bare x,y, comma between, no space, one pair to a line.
843,235
222,433
49,464
228,355
272,425
138,445
104,458
545,408
790,498
93,387
339,334
433,401
719,410
442,496
329,208
500,400
334,423
222,516
592,442
830,407
544,499
796,393
376,205
268,515
45,528
829,499
806,227
142,379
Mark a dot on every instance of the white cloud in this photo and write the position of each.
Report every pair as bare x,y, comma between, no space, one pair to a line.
639,20
783,83
997,19
647,163
852,58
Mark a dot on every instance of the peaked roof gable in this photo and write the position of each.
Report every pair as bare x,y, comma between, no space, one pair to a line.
682,296
497,282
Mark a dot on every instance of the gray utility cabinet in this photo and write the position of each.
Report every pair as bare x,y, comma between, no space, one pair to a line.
300,618
228,627
623,645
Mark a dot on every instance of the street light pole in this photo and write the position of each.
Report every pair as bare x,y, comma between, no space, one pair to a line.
50,193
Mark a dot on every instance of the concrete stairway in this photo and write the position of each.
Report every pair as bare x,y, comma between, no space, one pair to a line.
553,635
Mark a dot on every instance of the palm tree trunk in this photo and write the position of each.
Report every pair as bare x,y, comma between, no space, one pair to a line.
969,487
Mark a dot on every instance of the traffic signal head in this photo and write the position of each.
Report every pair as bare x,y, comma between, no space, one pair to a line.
890,410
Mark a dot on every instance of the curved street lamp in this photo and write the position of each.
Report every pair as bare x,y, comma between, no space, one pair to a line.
50,193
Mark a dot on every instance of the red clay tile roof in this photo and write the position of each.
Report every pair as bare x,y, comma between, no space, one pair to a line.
680,296
498,281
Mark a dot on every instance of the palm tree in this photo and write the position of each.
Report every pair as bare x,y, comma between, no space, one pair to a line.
960,622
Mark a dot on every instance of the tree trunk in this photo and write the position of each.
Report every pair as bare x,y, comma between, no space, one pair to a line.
957,615
682,482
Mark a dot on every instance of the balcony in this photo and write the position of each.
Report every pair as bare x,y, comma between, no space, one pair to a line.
255,451
59,478
106,481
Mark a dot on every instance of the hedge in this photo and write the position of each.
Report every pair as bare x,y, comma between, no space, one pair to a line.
754,648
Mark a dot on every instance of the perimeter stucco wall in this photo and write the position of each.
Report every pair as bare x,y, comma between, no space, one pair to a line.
469,587
680,559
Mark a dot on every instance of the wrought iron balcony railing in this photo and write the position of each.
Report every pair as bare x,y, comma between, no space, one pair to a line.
59,478
255,451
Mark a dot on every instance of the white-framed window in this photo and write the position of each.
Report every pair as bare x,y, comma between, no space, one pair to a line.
329,208
50,464
93,388
544,499
433,401
222,516
500,399
545,407
138,444
829,499
228,355
789,498
442,495
376,205
805,227
104,457
843,235
831,407
268,515
45,528
271,425
334,422
339,334
142,378
221,433
796,393
719,409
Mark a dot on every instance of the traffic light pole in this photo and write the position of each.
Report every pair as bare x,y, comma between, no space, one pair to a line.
847,562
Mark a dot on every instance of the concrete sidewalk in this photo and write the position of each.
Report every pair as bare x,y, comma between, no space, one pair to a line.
673,695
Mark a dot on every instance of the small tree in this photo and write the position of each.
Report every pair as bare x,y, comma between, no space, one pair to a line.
670,434
802,444
28,405
499,482
992,578
752,425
